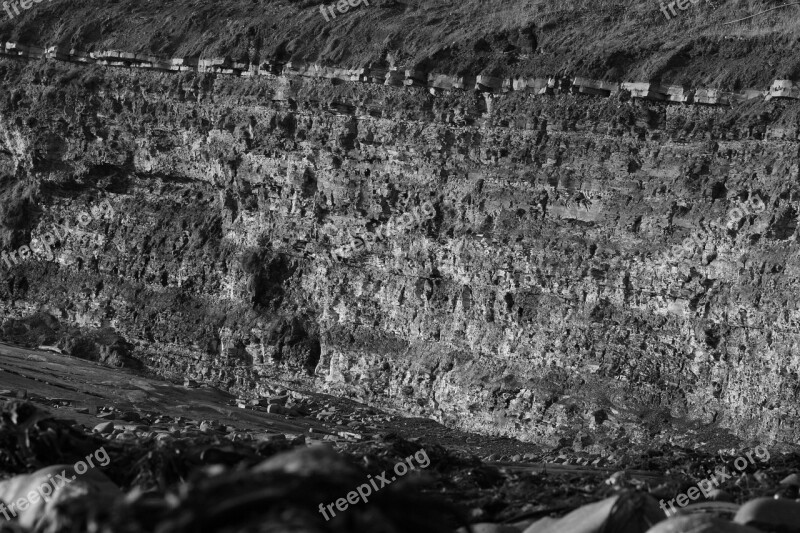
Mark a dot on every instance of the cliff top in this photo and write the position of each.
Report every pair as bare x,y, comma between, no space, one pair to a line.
616,40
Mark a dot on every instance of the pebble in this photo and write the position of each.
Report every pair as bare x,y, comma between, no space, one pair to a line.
133,427
104,428
279,400
618,478
130,416
127,436
763,478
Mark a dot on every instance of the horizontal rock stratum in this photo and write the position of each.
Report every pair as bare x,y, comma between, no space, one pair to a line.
541,301
436,82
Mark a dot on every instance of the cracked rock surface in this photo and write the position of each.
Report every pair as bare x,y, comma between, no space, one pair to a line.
542,301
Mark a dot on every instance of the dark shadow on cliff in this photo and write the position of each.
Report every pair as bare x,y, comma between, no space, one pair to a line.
102,345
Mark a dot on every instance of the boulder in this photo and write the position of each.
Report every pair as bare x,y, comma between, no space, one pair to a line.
770,514
699,524
627,512
29,491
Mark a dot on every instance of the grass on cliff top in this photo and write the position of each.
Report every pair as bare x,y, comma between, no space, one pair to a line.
613,39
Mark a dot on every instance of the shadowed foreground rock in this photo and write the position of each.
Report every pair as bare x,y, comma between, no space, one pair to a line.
201,477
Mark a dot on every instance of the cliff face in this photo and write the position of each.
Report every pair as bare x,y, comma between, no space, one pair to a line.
543,299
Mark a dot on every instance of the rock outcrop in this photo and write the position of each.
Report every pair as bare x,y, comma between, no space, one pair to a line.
541,301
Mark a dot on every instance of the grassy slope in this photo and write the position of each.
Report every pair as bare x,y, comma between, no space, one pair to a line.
613,39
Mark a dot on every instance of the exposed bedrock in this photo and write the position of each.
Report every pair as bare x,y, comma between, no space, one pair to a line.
543,300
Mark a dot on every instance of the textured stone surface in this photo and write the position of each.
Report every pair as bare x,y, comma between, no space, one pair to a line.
540,302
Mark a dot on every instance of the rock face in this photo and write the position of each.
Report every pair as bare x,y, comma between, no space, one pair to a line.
544,299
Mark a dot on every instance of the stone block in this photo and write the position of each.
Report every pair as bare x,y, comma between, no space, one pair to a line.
646,91
185,61
359,74
416,75
592,91
679,93
60,53
222,62
539,86
711,97
413,83
378,73
783,89
466,83
57,50
309,71
489,83
441,81
340,74
110,54
595,87
394,78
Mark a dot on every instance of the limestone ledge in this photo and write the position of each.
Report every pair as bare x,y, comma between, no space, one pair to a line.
435,82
